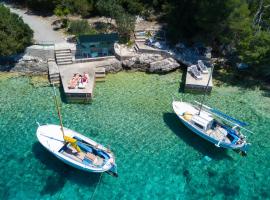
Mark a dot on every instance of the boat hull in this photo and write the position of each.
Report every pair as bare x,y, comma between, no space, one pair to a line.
50,137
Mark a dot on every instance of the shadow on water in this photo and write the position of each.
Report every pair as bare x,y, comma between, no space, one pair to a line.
9,62
182,82
62,172
198,143
241,78
62,94
266,93
66,101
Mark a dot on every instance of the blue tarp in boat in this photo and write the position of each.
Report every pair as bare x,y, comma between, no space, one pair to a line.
84,147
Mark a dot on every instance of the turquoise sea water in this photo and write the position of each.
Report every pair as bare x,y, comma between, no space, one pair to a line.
157,157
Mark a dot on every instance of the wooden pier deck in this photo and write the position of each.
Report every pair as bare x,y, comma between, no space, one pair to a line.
77,95
194,85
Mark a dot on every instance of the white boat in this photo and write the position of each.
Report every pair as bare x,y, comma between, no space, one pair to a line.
212,125
75,149
92,156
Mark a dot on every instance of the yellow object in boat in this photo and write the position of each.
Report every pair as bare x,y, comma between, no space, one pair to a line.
187,116
73,142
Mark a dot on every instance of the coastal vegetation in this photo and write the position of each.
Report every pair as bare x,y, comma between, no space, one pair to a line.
80,27
15,35
236,29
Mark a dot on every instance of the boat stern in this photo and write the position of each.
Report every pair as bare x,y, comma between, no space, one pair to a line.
113,170
245,148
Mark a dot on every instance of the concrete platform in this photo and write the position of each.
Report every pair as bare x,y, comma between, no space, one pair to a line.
77,95
198,85
143,48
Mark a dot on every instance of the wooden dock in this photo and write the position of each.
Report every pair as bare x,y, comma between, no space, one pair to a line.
77,95
194,85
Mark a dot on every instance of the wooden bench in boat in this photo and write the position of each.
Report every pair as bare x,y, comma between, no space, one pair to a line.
80,156
218,135
71,152
95,159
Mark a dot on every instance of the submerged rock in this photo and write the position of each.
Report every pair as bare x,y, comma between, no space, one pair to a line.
207,158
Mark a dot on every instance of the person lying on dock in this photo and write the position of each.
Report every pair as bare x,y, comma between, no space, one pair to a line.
79,79
72,83
85,77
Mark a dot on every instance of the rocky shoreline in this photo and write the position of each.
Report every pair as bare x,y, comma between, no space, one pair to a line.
34,60
151,63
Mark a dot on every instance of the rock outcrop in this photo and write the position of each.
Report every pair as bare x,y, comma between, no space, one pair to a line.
153,63
32,61
164,66
190,55
113,66
31,65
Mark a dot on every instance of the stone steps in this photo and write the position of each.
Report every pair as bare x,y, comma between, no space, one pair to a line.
136,47
68,58
62,51
64,62
140,37
54,74
140,40
100,73
63,56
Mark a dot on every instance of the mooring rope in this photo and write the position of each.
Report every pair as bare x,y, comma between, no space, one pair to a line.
93,194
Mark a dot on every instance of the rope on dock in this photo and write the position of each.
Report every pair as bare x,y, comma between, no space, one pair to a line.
93,194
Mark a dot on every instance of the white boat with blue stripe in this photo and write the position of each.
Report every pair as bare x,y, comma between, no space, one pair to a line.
76,150
212,125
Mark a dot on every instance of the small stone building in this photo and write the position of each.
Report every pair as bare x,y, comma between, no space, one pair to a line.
93,46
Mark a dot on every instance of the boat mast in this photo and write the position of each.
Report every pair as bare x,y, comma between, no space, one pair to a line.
58,111
205,90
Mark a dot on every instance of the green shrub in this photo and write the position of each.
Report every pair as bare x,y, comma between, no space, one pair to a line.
15,35
125,26
80,27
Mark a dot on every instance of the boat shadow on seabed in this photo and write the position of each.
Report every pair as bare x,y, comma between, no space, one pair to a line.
62,171
191,139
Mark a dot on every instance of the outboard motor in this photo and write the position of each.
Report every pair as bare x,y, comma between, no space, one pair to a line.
113,171
245,148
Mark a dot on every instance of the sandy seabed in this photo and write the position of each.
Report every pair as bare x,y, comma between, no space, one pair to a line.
157,157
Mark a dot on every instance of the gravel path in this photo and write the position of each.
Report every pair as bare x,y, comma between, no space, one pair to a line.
43,31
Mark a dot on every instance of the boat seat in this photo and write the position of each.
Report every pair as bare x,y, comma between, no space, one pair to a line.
63,148
95,159
87,161
91,156
222,131
104,155
80,155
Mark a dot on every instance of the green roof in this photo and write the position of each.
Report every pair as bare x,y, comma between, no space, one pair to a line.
111,37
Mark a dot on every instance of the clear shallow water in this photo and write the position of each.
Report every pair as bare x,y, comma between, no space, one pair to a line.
158,158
